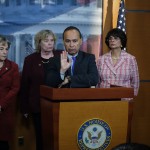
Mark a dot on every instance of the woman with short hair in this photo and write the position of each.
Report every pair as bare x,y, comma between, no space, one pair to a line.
9,87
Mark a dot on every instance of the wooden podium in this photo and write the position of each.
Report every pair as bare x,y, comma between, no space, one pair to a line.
65,110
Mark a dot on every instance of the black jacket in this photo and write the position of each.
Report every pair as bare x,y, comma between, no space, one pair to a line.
85,72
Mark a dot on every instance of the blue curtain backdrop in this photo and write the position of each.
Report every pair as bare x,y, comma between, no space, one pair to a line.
20,20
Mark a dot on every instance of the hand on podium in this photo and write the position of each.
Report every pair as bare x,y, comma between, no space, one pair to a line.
66,81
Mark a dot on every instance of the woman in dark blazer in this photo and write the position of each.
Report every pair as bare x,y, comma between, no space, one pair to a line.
33,75
9,87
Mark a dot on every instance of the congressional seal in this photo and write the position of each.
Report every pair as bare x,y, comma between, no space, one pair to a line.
94,134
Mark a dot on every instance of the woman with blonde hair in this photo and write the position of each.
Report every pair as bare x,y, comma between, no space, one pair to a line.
33,75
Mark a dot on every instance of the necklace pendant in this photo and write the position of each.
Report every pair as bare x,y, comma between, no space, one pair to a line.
115,58
45,62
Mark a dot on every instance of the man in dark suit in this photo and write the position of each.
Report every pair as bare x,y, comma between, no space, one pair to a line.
77,72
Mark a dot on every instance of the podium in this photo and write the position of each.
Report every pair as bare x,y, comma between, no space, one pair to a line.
66,111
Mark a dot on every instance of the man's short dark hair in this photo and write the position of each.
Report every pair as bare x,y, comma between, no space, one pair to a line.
72,28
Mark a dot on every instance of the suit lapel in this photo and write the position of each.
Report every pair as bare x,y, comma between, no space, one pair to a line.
6,68
121,61
77,62
109,62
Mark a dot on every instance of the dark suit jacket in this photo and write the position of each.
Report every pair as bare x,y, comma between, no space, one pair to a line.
85,72
33,75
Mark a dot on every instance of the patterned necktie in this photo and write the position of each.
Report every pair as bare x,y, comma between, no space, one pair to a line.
73,63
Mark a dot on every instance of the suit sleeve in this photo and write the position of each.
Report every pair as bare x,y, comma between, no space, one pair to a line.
53,78
134,75
99,65
25,86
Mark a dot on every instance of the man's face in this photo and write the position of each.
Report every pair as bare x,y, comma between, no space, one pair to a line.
72,41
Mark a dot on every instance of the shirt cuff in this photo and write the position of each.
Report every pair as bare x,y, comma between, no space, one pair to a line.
62,75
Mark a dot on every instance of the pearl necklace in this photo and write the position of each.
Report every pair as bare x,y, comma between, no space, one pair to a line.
45,62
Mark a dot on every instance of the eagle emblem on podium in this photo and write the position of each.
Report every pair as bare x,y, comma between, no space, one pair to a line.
94,134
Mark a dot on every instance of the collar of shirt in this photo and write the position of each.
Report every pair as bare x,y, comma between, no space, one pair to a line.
70,56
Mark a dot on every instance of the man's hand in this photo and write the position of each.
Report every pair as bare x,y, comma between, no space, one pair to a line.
65,64
66,81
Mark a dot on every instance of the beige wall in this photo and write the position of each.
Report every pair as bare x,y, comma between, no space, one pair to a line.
138,33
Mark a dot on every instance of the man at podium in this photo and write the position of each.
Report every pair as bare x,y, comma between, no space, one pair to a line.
73,68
